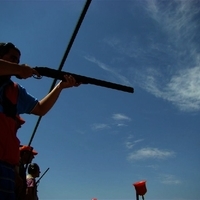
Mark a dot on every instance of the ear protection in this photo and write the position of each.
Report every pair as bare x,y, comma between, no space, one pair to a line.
4,48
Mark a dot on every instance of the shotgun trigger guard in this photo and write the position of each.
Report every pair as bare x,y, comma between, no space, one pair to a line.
37,77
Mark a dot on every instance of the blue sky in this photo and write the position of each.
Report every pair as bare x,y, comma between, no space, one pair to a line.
96,141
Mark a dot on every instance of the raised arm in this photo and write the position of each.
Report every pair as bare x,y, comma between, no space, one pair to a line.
49,100
24,71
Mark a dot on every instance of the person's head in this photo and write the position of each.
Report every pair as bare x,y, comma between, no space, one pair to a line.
9,52
34,170
27,153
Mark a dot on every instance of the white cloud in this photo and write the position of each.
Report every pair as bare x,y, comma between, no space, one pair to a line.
119,116
183,89
181,83
131,144
100,126
121,125
176,17
170,59
150,153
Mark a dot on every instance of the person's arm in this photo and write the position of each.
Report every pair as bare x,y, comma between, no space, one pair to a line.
23,71
49,100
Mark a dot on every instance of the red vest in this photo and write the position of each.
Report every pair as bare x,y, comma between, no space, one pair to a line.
9,124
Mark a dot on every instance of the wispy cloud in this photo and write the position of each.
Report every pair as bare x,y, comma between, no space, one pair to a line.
100,126
150,153
119,116
121,125
121,119
128,45
169,179
131,144
168,64
176,17
109,69
183,88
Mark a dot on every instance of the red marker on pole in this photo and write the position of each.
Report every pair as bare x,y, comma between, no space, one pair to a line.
140,188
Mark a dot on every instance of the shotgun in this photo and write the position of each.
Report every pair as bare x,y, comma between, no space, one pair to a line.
56,74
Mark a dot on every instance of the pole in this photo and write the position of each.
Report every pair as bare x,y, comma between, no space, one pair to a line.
84,11
137,196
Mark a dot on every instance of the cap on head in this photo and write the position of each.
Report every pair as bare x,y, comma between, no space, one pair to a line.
5,47
28,148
